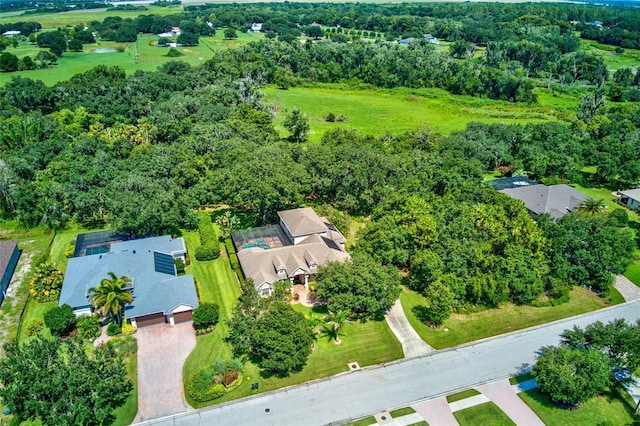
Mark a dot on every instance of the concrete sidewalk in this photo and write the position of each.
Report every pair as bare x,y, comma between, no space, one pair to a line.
412,344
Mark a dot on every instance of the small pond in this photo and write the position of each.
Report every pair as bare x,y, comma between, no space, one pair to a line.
104,50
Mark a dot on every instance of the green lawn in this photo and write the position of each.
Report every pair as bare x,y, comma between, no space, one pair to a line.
126,413
216,284
396,111
613,407
150,57
491,322
483,414
633,273
368,343
462,395
613,60
402,412
362,422
77,17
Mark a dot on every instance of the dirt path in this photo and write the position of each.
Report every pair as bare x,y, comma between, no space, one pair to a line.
17,294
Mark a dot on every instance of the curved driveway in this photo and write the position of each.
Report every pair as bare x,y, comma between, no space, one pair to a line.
370,390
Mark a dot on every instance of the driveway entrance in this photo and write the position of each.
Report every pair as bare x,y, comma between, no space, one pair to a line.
162,350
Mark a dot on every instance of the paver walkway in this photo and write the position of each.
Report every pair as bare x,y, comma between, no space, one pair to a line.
436,412
162,350
629,290
412,344
503,395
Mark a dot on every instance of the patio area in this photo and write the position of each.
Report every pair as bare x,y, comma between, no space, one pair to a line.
265,237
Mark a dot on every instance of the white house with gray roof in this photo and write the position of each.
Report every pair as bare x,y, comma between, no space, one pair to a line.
555,200
313,242
630,198
159,294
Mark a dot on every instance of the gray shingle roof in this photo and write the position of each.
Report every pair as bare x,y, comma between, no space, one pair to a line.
302,221
632,193
153,291
556,200
6,251
259,264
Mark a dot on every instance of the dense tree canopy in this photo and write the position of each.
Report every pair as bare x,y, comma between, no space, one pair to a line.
58,382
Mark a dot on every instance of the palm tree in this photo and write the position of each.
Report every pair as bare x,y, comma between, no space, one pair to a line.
110,296
592,206
332,328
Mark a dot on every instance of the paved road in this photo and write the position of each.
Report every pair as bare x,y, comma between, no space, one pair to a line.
360,393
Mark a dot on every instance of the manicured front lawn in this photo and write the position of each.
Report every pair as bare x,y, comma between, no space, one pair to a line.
613,407
633,273
483,414
369,343
216,283
491,322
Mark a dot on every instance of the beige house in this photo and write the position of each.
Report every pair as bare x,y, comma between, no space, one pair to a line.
308,241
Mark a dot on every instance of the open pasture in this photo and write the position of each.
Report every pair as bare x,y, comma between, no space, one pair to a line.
150,56
378,111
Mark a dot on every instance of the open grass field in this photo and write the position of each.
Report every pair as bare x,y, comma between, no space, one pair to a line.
613,407
78,17
150,57
613,60
461,328
396,111
483,414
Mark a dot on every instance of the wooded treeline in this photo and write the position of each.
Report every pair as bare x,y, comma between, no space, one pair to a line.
141,152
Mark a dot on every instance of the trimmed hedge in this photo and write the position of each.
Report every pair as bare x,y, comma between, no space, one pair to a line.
208,252
206,315
207,232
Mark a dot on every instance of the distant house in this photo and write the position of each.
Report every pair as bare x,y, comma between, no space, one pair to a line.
176,31
290,251
159,294
431,39
406,41
595,24
11,33
256,27
630,198
555,200
9,255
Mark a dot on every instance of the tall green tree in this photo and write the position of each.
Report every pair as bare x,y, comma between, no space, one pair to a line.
282,339
571,376
297,123
111,295
60,383
361,288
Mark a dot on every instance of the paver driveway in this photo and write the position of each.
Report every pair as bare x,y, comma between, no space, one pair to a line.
162,350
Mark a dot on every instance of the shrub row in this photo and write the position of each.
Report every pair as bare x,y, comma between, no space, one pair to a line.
208,252
210,248
231,252
207,233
